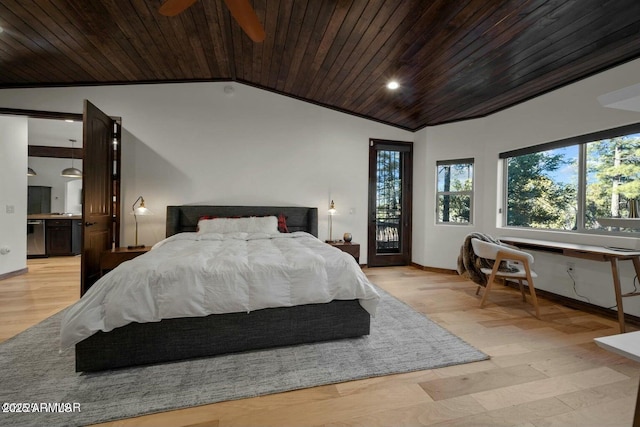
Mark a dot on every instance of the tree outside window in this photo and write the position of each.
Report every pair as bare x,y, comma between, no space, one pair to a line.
612,179
570,186
454,196
542,189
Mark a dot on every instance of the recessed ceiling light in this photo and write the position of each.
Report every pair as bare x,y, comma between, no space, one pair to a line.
68,120
393,85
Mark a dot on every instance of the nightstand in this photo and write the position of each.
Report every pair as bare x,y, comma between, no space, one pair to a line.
351,248
114,257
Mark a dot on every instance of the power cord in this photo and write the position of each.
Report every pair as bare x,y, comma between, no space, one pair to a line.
575,290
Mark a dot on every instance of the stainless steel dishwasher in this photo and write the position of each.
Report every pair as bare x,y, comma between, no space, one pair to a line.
36,243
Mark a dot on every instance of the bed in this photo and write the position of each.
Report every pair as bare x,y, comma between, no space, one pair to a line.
180,338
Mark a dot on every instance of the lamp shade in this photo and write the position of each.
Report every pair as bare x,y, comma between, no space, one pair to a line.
31,172
71,173
332,208
141,209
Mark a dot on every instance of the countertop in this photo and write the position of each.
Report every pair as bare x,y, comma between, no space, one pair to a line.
53,216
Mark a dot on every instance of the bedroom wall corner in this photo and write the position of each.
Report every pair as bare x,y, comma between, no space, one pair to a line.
13,194
420,205
437,245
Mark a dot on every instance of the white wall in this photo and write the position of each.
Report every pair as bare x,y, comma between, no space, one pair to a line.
13,193
570,111
73,196
192,143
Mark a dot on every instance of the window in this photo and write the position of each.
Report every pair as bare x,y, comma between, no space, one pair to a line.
454,196
612,188
587,183
542,189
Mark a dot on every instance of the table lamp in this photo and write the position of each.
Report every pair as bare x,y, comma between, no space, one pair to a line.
135,211
332,211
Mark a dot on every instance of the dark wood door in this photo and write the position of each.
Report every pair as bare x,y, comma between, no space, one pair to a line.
390,187
97,199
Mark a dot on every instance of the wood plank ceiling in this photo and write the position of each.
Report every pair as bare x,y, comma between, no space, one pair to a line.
454,60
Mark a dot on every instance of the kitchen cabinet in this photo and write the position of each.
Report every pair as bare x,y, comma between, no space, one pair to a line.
38,199
63,236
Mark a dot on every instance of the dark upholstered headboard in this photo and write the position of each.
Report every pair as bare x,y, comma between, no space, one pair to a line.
185,218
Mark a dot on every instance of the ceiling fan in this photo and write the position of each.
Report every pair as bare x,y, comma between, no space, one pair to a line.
241,11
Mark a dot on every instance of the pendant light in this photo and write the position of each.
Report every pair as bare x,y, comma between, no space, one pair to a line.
72,172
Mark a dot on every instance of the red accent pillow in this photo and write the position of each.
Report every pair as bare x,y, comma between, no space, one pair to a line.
282,224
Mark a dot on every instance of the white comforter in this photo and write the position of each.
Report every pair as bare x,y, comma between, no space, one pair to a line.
191,274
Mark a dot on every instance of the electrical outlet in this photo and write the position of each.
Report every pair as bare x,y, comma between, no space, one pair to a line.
571,266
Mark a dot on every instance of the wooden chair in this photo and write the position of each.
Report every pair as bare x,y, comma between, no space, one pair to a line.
518,263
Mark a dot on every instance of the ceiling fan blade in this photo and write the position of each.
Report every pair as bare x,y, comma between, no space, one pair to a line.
174,7
246,17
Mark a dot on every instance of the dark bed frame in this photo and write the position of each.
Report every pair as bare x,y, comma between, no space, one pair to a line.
185,338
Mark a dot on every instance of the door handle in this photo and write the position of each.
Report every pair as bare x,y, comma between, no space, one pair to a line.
89,224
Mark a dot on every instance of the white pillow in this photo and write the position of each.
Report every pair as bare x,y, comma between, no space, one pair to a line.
253,224
262,224
215,225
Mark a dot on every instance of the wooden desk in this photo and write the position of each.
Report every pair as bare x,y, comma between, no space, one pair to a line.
593,253
627,345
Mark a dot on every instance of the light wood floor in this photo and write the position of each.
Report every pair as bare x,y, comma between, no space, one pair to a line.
541,372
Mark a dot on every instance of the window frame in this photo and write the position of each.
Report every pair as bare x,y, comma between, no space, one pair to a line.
471,194
581,141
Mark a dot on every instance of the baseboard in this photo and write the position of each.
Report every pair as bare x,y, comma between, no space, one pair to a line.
14,273
581,305
434,269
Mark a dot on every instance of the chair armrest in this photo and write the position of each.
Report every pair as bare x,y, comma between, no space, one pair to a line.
515,255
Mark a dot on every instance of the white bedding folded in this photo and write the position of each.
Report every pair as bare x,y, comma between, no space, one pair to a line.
197,274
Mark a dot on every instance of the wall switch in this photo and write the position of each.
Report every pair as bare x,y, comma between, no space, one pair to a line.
11,209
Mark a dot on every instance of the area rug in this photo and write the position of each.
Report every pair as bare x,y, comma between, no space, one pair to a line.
42,383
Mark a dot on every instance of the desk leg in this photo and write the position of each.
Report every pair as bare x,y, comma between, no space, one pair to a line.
616,288
636,265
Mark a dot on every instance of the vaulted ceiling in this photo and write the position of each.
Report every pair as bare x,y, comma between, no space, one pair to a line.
454,59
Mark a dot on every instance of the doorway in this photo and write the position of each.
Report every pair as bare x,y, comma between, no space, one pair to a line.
54,187
390,201
100,154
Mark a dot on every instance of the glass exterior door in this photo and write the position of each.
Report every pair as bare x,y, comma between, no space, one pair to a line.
389,203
